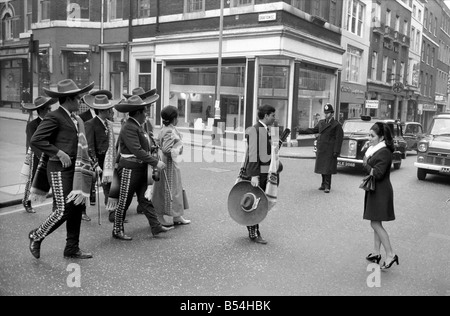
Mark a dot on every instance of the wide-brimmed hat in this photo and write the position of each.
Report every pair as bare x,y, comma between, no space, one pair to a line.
39,102
68,88
247,205
141,93
105,92
98,102
328,108
135,103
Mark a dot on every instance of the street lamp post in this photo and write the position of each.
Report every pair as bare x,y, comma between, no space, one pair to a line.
217,115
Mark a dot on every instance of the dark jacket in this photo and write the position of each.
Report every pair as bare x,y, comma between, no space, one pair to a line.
30,129
86,116
259,150
97,137
133,140
329,142
56,132
379,204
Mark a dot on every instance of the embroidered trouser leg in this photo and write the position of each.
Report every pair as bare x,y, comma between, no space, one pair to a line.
253,231
61,181
34,161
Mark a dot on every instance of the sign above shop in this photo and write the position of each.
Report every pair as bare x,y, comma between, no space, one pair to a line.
266,17
372,104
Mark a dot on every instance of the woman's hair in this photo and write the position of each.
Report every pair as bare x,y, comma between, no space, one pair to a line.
383,130
169,114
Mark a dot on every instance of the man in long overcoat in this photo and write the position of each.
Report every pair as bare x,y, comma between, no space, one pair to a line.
329,142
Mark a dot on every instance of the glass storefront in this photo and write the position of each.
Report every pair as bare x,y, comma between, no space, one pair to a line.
78,66
192,90
11,78
316,88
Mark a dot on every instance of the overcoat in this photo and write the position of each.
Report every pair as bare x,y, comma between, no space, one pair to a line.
379,204
329,141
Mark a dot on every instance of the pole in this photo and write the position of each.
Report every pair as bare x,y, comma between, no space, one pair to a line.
217,115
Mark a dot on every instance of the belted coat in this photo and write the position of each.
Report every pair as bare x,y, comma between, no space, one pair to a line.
329,142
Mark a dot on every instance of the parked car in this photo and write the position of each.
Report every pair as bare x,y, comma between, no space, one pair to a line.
412,133
356,141
433,150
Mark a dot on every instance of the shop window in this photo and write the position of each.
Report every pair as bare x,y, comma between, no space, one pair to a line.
273,81
78,67
11,80
45,69
144,8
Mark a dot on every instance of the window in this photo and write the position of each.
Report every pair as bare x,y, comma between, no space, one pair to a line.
413,38
433,52
354,57
77,9
394,71
435,25
397,23
115,9
414,10
419,15
428,54
388,18
194,5
355,17
423,51
402,72
28,12
418,41
44,10
7,26
145,74
241,3
385,66
405,27
425,19
299,4
144,8
374,65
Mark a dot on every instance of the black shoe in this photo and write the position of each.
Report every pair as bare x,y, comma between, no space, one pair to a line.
35,246
321,188
86,218
374,258
78,255
161,229
387,266
111,216
121,235
259,240
327,190
28,207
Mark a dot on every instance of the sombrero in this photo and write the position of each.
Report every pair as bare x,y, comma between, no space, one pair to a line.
98,102
105,92
67,88
135,103
141,93
247,205
38,103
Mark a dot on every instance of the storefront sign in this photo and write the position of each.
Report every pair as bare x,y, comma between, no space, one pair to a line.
265,17
352,93
428,107
372,104
13,51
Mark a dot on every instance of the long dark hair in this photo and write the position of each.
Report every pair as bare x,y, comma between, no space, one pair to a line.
382,129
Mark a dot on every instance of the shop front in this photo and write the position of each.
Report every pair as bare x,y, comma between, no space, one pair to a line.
428,111
352,99
14,77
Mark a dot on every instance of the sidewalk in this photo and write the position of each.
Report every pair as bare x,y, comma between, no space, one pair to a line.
13,194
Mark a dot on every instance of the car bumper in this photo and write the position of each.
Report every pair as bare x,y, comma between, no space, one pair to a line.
349,162
434,168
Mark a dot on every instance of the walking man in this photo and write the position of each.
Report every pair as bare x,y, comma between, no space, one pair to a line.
329,142
61,137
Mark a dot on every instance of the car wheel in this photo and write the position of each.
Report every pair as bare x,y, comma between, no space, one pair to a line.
421,174
397,165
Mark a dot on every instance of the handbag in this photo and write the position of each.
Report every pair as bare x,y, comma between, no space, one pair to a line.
368,182
185,200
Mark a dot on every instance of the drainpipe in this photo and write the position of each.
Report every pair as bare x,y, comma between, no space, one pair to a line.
157,15
130,38
102,75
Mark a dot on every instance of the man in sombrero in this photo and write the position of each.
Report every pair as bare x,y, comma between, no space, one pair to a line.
42,105
101,140
135,165
61,136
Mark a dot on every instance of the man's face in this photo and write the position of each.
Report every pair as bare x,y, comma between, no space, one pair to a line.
328,115
270,119
44,111
73,103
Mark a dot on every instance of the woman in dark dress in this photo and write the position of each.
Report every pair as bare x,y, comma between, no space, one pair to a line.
379,204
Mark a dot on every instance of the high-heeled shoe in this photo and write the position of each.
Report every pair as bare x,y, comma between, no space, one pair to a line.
181,221
387,266
374,258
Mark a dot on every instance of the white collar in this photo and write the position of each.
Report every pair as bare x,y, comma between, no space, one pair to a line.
263,124
373,149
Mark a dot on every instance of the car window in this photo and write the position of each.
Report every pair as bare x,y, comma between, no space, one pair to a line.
357,127
441,126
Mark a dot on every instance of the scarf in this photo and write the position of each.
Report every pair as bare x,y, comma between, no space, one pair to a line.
272,178
40,187
82,178
25,171
373,149
110,156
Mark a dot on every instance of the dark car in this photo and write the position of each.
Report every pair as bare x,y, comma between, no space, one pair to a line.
356,141
412,133
433,150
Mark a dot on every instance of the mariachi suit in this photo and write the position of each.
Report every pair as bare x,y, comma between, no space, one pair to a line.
59,132
258,160
133,173
36,155
86,116
329,144
97,137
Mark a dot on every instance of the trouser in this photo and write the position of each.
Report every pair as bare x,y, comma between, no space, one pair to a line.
253,231
133,179
33,167
326,181
61,181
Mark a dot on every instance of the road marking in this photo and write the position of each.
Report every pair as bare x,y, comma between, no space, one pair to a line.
217,170
439,236
23,209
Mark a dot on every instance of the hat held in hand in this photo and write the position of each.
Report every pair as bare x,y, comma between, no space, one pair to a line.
247,205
